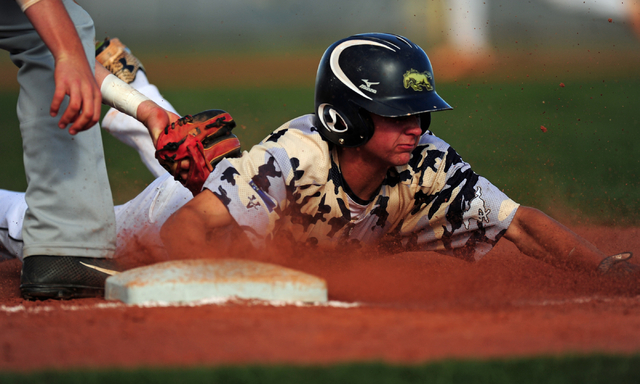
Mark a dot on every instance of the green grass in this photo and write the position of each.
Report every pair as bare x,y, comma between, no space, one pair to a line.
573,369
584,166
583,170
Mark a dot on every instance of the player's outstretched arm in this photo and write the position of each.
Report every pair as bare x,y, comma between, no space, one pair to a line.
539,236
127,99
194,230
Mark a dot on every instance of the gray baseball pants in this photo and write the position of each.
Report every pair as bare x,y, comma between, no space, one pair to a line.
70,207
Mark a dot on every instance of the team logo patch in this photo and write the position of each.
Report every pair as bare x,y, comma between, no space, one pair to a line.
367,86
477,209
417,81
255,203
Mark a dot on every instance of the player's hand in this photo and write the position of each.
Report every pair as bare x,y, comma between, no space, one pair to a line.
191,147
155,118
75,79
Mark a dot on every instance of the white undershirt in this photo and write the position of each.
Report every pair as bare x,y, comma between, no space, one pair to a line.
355,208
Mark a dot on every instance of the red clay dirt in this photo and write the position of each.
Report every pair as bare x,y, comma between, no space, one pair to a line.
412,307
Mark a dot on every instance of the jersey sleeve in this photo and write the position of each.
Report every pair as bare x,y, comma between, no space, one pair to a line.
257,187
455,211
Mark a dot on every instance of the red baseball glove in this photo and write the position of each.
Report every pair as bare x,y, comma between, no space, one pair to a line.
202,139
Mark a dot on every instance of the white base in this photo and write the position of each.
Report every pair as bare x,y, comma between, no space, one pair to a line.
192,280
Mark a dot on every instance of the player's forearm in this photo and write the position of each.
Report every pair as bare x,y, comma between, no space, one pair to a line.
53,24
195,230
123,97
101,73
179,239
539,236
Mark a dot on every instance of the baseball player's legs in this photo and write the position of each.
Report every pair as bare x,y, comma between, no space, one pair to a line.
468,22
70,208
139,218
70,204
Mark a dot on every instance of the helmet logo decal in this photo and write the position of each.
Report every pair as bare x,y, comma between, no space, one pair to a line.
335,63
331,119
367,86
416,80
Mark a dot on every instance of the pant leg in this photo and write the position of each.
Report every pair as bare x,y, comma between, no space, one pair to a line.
469,31
138,221
70,207
12,209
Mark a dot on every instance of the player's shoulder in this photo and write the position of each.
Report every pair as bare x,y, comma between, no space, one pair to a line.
299,142
430,149
428,139
296,131
299,138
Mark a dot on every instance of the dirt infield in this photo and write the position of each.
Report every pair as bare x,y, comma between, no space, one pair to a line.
410,307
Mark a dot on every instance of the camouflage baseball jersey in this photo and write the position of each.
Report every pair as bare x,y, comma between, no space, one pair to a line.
290,184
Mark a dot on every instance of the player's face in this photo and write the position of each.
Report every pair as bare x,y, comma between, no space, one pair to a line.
394,139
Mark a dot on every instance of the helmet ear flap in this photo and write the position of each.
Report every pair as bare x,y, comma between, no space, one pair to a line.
367,123
425,121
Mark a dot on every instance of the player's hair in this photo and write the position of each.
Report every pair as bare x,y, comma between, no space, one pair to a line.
378,73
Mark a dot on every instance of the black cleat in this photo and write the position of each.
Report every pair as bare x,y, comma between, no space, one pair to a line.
64,277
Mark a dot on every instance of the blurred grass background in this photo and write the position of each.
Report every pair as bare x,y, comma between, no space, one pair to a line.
584,169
